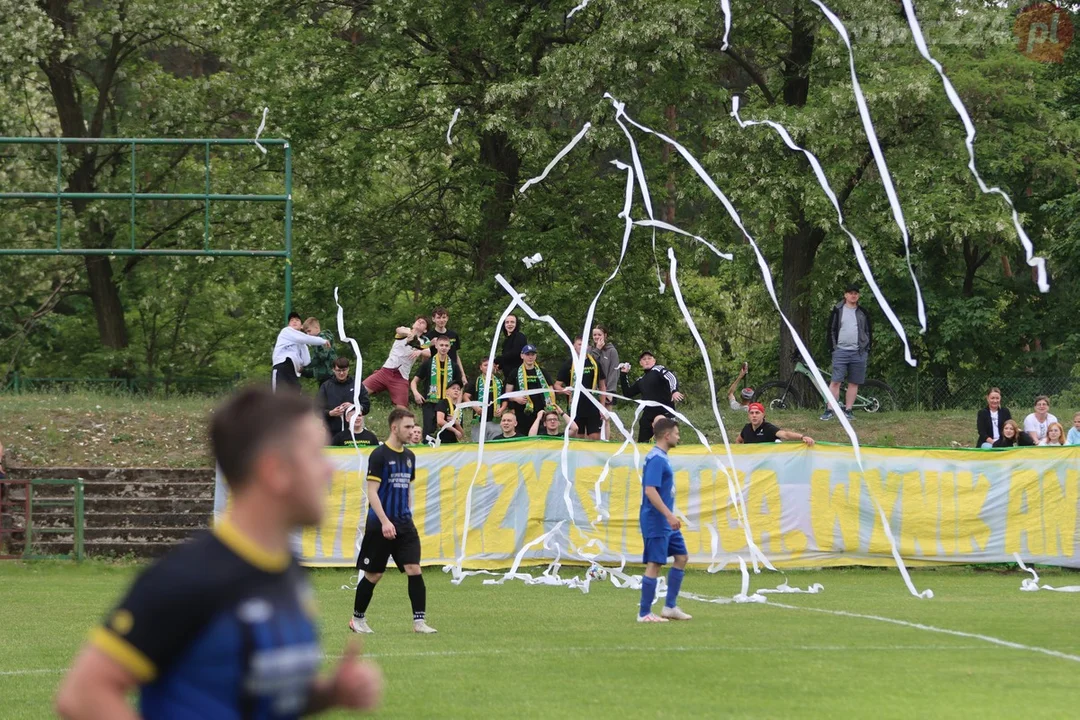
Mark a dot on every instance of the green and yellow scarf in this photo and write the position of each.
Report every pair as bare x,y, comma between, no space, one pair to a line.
493,400
524,385
442,374
596,371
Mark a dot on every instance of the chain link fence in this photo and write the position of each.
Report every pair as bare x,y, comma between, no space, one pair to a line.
160,386
914,392
957,391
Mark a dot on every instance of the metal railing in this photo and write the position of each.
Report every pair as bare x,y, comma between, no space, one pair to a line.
60,195
29,530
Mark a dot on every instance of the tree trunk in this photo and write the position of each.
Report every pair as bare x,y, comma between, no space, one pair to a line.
63,86
108,309
800,248
800,245
502,160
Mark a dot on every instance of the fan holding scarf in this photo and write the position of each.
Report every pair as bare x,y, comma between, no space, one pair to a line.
437,374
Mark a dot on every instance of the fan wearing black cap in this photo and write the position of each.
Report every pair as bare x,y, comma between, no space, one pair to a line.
446,412
530,376
657,384
850,337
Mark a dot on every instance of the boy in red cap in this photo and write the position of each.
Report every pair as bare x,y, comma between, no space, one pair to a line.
759,431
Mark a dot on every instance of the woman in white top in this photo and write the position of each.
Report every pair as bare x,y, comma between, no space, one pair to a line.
1037,423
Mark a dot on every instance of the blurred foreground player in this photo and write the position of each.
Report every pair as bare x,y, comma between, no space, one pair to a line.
223,626
660,527
389,529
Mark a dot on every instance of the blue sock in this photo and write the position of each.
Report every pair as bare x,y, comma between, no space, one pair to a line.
648,594
674,582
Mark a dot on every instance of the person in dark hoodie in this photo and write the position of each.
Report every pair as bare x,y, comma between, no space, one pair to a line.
336,397
514,341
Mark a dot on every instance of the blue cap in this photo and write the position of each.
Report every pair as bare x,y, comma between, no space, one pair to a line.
528,349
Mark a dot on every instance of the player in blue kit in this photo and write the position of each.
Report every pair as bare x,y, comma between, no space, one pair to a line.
223,626
389,530
660,527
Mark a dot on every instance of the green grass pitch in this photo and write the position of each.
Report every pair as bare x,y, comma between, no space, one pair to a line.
543,652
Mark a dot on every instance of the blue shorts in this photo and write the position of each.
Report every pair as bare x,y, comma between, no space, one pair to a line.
659,549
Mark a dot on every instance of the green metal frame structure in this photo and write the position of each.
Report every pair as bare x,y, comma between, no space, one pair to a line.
60,195
27,504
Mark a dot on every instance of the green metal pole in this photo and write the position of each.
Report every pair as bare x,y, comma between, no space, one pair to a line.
206,202
29,534
288,231
132,222
79,518
59,190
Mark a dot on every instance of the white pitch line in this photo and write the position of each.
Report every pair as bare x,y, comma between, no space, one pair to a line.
931,628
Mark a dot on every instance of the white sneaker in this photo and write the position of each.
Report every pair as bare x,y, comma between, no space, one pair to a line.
359,625
419,626
675,613
651,618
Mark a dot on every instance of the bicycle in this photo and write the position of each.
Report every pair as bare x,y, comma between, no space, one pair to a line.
873,396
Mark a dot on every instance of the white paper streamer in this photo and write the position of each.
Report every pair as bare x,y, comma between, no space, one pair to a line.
725,8
555,161
580,6
671,228
766,275
1031,584
457,114
262,126
855,244
1034,261
879,158
533,260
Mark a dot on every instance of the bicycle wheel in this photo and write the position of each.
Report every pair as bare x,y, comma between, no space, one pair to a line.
877,396
776,395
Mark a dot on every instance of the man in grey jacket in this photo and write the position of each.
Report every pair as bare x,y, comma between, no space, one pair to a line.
850,337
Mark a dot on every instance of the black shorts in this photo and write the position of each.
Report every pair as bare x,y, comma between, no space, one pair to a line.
375,550
588,418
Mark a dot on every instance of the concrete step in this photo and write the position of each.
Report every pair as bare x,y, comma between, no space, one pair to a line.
137,534
103,548
148,505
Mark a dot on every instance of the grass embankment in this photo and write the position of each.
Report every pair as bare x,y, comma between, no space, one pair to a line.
87,429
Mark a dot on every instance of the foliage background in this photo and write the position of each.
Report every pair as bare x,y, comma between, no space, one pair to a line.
401,221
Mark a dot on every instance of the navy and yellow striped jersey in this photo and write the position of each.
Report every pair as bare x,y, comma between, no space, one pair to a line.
394,470
218,628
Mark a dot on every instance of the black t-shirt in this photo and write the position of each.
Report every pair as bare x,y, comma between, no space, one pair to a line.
215,629
533,403
590,375
765,433
365,438
424,374
447,435
504,437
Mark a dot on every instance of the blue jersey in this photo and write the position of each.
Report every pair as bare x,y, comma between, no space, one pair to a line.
218,628
394,470
657,473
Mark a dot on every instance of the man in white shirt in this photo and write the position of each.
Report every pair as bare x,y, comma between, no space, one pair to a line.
1037,422
393,376
291,353
747,393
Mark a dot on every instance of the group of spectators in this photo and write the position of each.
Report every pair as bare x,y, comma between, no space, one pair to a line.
997,429
524,398
441,383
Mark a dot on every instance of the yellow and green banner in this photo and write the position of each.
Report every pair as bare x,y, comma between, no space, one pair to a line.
807,507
